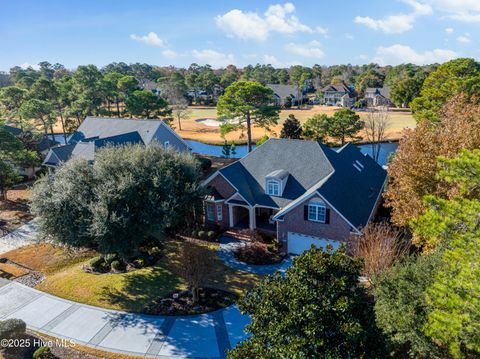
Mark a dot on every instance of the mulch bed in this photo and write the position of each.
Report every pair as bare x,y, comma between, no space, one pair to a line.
258,253
181,302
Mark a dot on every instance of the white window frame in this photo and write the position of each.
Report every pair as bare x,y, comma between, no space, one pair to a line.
273,187
210,212
317,212
219,209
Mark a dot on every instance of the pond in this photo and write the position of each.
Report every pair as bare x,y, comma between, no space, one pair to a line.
216,150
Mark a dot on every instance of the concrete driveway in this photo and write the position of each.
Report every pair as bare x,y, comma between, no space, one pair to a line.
199,336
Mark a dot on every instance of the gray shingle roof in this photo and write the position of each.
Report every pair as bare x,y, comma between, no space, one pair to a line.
108,127
284,91
87,149
312,167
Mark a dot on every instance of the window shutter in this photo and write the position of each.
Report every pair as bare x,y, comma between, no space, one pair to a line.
305,212
327,215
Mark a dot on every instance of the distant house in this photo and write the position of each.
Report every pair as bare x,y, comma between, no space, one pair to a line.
285,93
376,96
339,95
302,191
95,133
41,145
150,86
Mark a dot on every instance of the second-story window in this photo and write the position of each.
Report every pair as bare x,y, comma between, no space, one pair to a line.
273,187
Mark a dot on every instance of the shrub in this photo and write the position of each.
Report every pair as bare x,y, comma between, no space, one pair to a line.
12,328
155,252
43,353
117,266
256,253
211,235
139,263
202,234
111,257
205,163
194,234
97,263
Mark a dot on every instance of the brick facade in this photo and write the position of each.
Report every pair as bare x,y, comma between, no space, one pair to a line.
294,221
226,191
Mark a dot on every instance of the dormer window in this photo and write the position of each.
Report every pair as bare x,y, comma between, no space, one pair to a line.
275,182
273,187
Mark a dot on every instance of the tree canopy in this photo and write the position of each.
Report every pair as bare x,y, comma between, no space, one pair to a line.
114,205
459,76
251,103
291,128
316,309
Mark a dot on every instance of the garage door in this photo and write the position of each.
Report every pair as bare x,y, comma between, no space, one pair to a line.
297,243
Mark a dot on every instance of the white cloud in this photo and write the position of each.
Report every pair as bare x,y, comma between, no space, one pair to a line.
398,54
461,10
349,36
396,24
214,58
150,39
464,38
311,49
26,65
169,53
321,30
449,30
250,25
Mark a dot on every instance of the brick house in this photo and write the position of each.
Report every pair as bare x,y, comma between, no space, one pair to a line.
304,192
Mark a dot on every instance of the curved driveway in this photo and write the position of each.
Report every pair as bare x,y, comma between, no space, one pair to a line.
199,336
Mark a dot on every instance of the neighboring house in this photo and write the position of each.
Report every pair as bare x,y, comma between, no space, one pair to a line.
283,93
95,133
376,96
150,86
339,95
304,192
41,145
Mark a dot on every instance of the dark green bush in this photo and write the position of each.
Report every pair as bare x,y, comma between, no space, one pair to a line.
139,263
211,235
97,263
194,234
155,252
202,235
43,353
109,258
117,266
205,163
11,328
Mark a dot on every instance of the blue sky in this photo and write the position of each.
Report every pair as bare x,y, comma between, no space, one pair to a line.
239,32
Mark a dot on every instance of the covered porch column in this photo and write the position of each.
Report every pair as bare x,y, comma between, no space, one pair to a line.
252,218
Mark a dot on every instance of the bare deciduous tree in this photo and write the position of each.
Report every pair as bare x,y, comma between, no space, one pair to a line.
380,245
196,265
375,126
177,102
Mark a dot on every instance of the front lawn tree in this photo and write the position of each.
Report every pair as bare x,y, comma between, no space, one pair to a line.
41,112
344,124
129,196
316,310
315,128
250,102
291,128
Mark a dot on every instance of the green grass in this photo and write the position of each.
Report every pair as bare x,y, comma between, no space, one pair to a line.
202,112
133,291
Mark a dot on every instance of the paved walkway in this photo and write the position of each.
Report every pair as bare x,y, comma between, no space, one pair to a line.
226,253
18,238
199,336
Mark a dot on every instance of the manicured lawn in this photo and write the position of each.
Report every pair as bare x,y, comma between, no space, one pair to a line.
134,290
